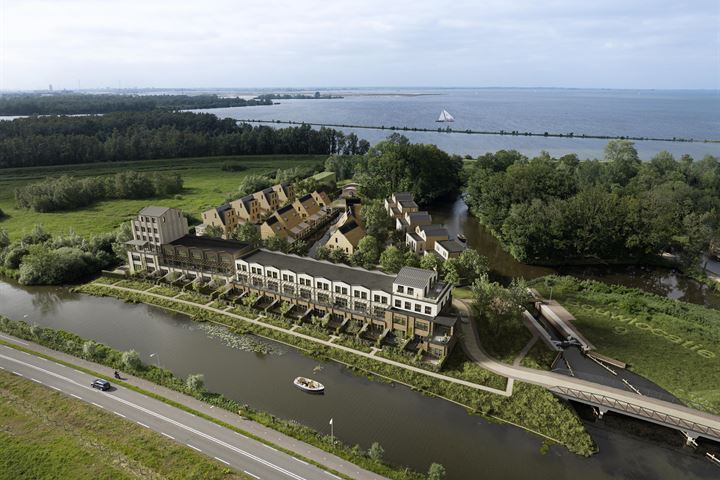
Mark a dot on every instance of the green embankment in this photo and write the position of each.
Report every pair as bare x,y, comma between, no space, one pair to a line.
205,186
530,407
46,434
673,343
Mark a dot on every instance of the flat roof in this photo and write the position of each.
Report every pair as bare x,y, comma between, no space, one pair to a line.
210,243
372,279
154,211
452,246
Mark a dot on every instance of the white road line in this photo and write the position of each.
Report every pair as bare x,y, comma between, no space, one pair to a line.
271,448
55,388
193,447
43,359
97,405
333,475
58,364
168,436
142,424
2,368
301,461
18,374
251,474
16,341
36,380
76,396
221,460
119,414
169,420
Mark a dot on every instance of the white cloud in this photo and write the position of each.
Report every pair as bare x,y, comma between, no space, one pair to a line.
612,43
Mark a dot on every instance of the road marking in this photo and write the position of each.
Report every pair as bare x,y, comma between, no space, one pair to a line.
97,405
193,447
333,475
119,414
55,388
166,419
17,373
43,359
221,460
142,424
169,436
36,380
251,474
76,396
58,364
301,461
16,341
271,448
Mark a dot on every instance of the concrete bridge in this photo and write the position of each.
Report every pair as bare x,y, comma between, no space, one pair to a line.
693,423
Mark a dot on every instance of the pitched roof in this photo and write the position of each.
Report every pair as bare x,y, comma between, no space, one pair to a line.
414,277
154,211
399,196
348,226
419,216
371,279
210,243
452,246
434,230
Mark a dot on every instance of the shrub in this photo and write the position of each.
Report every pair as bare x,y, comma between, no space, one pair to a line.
131,359
376,452
195,382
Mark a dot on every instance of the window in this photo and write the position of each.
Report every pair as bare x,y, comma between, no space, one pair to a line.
376,298
398,303
400,289
407,306
428,311
410,290
418,307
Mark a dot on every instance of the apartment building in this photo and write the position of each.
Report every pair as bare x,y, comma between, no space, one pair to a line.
412,304
424,237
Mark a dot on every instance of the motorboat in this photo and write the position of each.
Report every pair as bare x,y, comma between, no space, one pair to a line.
461,237
309,385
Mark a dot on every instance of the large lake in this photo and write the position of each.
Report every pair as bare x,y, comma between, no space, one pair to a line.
642,113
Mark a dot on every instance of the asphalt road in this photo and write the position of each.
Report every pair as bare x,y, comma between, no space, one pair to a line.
244,454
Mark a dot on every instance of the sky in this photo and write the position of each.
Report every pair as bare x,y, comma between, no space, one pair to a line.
334,43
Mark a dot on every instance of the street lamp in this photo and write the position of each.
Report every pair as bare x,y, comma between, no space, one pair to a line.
157,358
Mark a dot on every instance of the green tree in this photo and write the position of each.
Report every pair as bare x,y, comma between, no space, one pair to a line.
253,183
431,262
367,254
4,239
284,308
338,256
277,243
376,220
247,232
214,231
90,349
391,259
624,161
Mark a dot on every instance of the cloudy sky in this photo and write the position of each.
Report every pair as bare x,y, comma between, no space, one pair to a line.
316,43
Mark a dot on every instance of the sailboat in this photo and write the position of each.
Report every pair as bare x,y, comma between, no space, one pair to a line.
445,117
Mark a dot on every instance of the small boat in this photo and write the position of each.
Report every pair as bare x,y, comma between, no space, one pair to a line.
445,117
461,237
309,385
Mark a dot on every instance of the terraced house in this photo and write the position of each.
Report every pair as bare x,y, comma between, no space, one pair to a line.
412,305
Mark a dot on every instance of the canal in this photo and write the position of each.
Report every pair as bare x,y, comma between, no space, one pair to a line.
414,430
503,267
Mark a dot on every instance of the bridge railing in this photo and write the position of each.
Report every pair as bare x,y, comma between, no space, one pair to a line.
637,410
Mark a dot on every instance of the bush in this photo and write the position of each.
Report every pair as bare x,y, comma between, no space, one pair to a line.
195,382
436,472
131,360
90,349
376,452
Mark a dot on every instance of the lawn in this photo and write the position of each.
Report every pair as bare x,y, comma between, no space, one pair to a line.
674,344
206,185
45,434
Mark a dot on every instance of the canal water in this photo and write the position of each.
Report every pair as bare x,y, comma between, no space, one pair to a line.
414,430
661,281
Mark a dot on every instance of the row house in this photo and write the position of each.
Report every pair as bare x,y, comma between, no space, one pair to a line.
412,220
424,238
298,219
400,203
412,304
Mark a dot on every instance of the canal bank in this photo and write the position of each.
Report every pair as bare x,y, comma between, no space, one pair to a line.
413,429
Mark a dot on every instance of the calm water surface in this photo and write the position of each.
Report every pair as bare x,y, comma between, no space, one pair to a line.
415,430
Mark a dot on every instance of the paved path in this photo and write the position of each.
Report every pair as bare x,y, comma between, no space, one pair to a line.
471,344
240,452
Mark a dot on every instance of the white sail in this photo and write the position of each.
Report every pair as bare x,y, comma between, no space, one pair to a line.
445,117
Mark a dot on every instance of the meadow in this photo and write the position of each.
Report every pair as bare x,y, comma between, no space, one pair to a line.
672,343
205,185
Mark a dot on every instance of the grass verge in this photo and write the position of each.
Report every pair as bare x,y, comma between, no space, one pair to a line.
47,434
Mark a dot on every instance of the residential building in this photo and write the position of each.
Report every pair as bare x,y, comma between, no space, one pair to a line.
424,237
285,192
446,249
346,237
410,220
280,223
246,209
153,227
400,203
299,219
223,216
412,304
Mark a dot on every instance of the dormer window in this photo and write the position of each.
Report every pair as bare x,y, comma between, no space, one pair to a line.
401,289
410,290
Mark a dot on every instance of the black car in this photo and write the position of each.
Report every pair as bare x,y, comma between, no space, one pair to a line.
101,384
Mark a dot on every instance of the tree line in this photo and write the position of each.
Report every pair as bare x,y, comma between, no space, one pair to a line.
41,141
76,103
557,210
67,193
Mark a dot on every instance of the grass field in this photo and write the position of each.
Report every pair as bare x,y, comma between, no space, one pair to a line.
672,343
206,186
47,435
